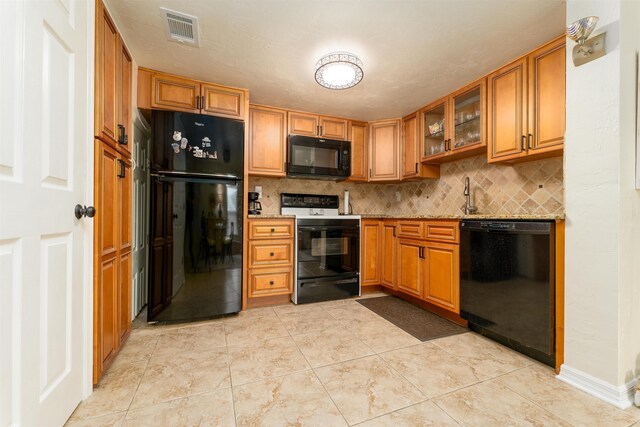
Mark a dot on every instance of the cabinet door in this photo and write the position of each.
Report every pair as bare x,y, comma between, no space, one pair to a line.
267,141
468,120
106,339
125,125
303,124
384,150
547,93
107,71
124,297
410,265
435,131
388,255
410,161
370,253
506,105
359,151
333,128
222,101
442,276
124,203
174,93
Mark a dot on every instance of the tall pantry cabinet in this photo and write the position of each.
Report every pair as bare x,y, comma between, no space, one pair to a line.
112,194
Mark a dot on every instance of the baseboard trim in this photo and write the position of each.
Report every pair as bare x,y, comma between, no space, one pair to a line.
618,396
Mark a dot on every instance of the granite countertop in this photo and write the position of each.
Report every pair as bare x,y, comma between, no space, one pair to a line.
270,216
541,217
554,217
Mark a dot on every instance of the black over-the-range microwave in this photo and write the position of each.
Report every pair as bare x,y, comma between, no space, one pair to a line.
318,158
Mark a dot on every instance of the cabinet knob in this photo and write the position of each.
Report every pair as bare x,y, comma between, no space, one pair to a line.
271,282
271,254
273,230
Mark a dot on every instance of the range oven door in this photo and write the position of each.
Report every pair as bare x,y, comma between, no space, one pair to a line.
327,259
318,158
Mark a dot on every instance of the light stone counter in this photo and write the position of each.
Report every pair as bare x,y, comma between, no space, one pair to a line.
271,216
528,217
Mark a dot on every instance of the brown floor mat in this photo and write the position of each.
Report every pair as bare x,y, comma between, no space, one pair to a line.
420,323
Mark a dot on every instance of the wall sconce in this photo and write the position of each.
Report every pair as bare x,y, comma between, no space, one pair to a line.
585,50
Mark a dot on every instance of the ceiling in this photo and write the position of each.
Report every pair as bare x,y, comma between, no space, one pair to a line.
413,51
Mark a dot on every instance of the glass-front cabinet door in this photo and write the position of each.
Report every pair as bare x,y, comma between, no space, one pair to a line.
434,130
468,117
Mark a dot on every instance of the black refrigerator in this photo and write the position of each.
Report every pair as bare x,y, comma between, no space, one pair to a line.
197,188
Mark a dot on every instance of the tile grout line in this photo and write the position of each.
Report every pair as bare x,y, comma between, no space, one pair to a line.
529,399
319,380
140,380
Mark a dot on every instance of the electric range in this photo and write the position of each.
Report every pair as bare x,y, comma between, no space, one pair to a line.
327,248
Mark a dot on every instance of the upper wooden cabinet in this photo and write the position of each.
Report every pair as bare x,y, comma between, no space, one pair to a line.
168,92
411,164
547,98
317,126
359,151
113,71
333,128
125,118
526,106
384,152
174,93
267,141
455,126
410,156
218,100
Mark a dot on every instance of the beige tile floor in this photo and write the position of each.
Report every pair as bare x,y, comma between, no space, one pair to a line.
329,364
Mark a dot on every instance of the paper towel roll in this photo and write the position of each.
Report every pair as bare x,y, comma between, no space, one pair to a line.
345,210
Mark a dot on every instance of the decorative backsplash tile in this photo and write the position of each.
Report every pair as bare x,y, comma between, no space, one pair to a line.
526,188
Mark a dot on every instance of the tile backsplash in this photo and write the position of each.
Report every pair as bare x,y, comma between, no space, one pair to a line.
526,188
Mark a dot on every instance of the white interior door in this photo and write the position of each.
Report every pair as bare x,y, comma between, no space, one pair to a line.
141,143
44,107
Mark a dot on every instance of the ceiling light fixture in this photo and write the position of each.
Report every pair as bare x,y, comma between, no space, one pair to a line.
339,70
585,50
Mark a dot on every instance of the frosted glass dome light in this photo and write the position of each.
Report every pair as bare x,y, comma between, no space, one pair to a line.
339,70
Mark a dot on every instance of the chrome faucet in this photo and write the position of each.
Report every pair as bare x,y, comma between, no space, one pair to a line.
468,207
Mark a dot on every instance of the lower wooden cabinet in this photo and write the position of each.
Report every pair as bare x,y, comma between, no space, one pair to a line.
270,260
370,252
112,255
269,281
442,275
388,255
410,266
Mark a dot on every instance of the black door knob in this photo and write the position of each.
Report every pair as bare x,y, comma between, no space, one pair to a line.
81,211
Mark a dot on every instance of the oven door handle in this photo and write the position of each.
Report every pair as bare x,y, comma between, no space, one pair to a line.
325,228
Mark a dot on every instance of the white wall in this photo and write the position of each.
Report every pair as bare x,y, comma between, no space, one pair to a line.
602,253
629,219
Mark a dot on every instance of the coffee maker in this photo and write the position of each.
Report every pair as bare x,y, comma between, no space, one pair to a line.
254,205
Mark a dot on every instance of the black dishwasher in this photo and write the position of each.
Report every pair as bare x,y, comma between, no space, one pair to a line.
507,284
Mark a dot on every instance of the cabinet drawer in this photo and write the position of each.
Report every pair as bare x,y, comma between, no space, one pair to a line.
270,229
411,229
444,231
270,254
268,282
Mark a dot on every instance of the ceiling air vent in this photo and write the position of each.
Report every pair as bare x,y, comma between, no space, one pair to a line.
180,27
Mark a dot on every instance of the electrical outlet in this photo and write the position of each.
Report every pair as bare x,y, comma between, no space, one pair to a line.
258,190
397,196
